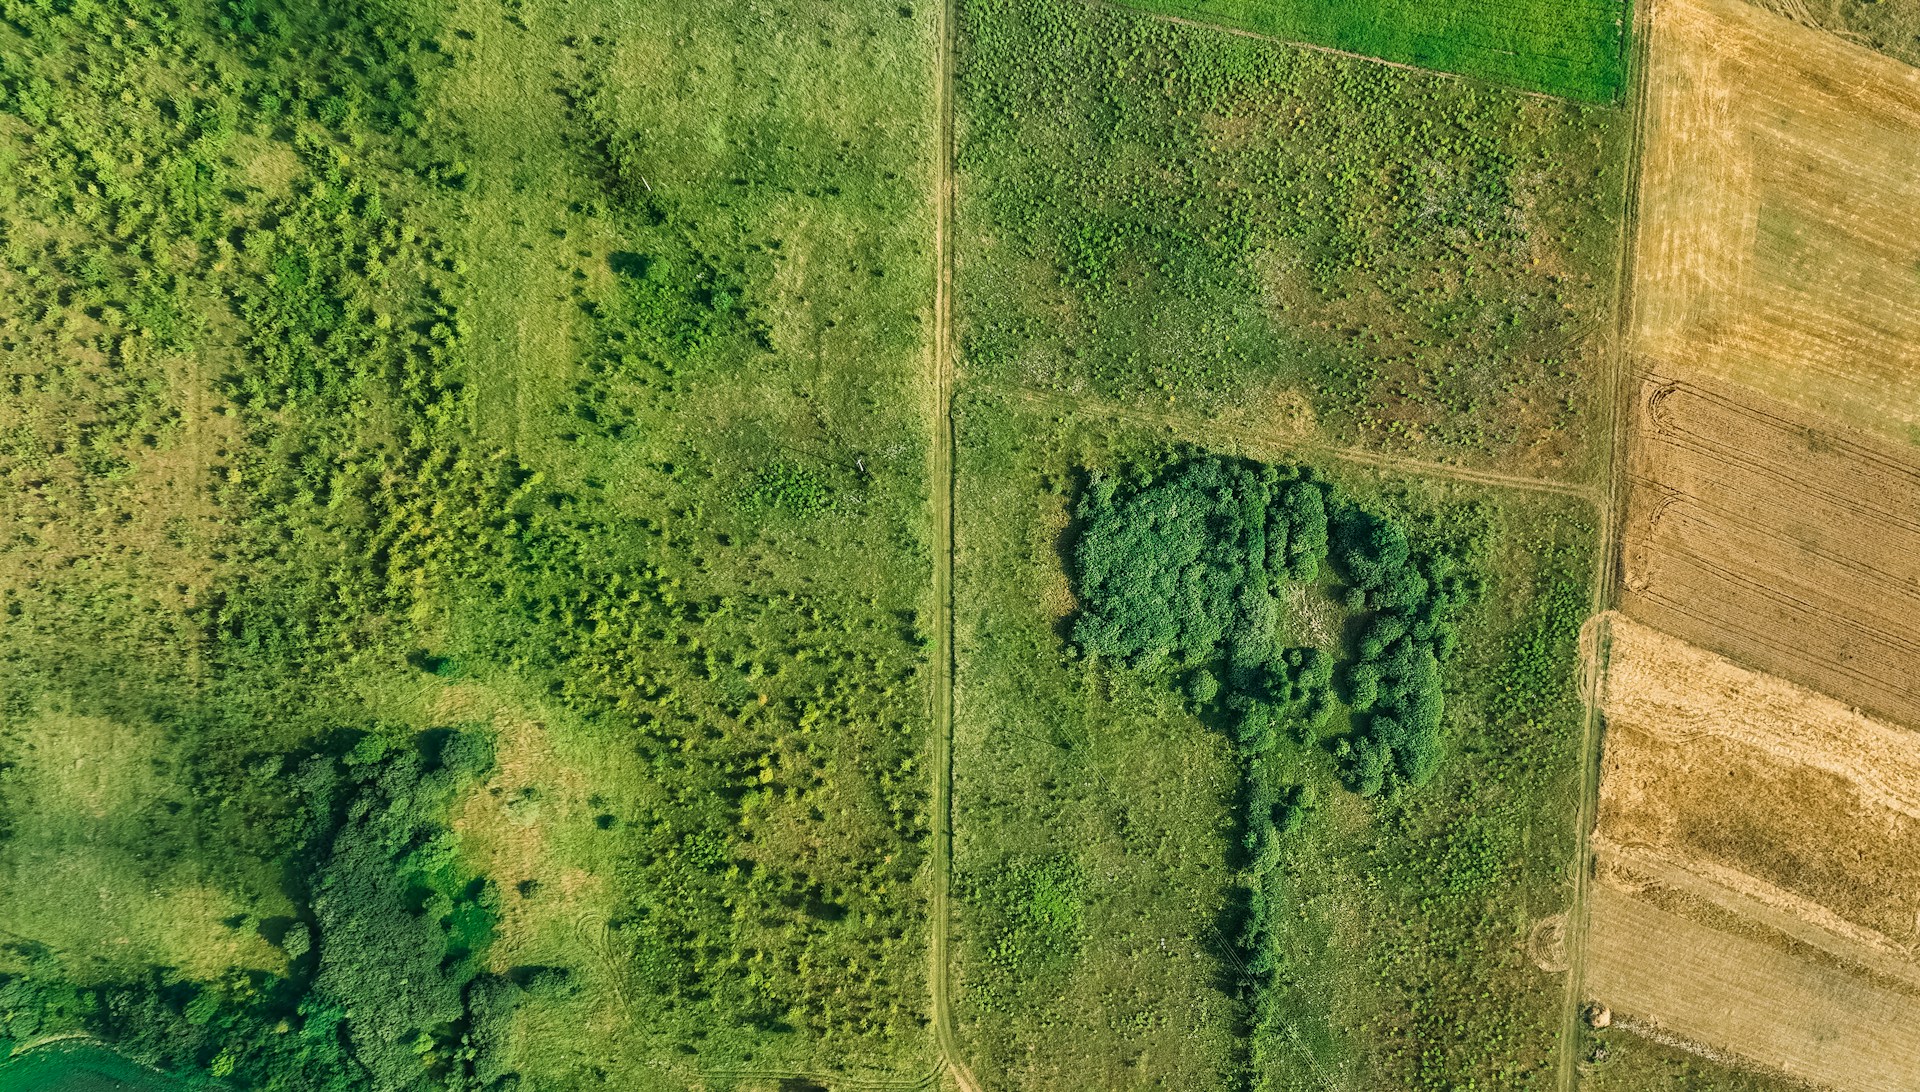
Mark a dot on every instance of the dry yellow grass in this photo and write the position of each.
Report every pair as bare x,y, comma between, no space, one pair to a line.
1800,1018
1779,242
523,826
1762,788
1786,544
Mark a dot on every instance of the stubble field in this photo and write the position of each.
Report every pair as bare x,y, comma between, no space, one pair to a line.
1779,215
1798,1017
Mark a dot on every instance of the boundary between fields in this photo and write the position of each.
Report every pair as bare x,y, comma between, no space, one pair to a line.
1609,555
1253,439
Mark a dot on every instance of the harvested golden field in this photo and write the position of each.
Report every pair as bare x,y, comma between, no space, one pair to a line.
1802,1018
1761,788
1786,544
1779,243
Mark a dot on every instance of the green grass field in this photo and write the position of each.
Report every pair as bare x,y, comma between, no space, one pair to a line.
465,617
525,381
1576,49
1096,816
72,1066
1181,218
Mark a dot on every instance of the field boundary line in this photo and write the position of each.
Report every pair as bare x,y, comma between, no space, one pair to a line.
1315,47
830,1080
1255,439
1611,553
941,469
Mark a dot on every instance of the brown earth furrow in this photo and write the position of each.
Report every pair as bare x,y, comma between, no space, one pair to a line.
1728,520
1777,539
1714,423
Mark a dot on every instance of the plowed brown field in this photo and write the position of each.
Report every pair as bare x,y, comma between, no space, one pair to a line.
1801,1018
1786,544
1779,214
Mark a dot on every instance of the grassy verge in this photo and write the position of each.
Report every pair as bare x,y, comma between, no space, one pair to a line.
1621,1061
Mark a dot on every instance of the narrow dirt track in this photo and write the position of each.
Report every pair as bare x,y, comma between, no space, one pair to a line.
940,467
1606,584
1255,440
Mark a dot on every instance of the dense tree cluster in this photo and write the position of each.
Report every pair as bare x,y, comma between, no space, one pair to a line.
1178,571
1181,568
1393,681
384,987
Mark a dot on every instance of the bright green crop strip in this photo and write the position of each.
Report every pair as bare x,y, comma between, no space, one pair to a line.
1572,48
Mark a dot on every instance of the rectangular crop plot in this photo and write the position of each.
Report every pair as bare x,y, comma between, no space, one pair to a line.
1573,48
1790,546
1802,1018
1779,214
1781,806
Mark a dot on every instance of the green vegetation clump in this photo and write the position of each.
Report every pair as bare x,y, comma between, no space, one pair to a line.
1575,49
1039,914
1395,675
384,983
1178,570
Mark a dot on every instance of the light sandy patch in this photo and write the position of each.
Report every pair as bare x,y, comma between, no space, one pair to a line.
513,826
1056,593
1779,214
1766,909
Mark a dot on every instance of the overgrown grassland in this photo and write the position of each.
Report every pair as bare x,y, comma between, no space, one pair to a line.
1104,881
1574,48
464,603
1166,213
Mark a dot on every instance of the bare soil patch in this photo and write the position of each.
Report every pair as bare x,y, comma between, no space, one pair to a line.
1782,542
1779,243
